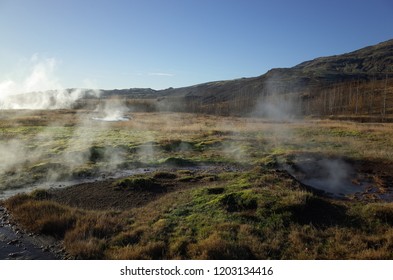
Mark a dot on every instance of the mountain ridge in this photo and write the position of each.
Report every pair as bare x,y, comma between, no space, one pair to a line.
357,82
366,63
371,61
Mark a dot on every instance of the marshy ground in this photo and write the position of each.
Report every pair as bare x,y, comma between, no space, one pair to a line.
207,187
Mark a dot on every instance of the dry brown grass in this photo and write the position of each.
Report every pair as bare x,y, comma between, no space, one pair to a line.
88,238
84,232
90,248
130,237
353,244
152,251
44,217
215,247
286,225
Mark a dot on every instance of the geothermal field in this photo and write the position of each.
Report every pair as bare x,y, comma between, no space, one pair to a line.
112,183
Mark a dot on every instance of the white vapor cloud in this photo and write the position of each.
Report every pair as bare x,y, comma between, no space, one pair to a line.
39,88
40,78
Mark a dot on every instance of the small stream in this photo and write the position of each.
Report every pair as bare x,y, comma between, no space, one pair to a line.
15,244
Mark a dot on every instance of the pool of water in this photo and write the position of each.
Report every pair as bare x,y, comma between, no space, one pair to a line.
335,177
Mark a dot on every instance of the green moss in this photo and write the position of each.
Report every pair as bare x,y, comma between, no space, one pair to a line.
376,213
176,145
238,201
186,179
267,161
208,144
164,175
137,183
84,171
344,133
44,167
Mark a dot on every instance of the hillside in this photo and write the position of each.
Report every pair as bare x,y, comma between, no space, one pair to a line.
377,59
365,63
355,83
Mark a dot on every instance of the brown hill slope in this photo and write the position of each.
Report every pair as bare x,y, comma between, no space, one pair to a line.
369,60
358,82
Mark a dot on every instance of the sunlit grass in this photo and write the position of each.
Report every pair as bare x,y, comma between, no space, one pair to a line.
251,212
252,215
67,138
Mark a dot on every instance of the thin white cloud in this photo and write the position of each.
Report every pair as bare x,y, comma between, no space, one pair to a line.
161,74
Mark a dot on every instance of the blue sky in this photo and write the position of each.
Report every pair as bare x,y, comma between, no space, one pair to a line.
173,43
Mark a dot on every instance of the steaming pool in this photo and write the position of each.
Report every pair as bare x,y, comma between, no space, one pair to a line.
341,178
111,119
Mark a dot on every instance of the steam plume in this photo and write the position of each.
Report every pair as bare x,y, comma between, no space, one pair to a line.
112,110
39,89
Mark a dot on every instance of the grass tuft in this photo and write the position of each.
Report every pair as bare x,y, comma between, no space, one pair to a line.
238,201
44,217
215,247
151,251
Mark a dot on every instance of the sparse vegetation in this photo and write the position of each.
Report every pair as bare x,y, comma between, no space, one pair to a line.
266,221
218,191
138,184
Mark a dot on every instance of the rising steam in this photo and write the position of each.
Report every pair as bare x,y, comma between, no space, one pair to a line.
112,110
276,102
39,89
